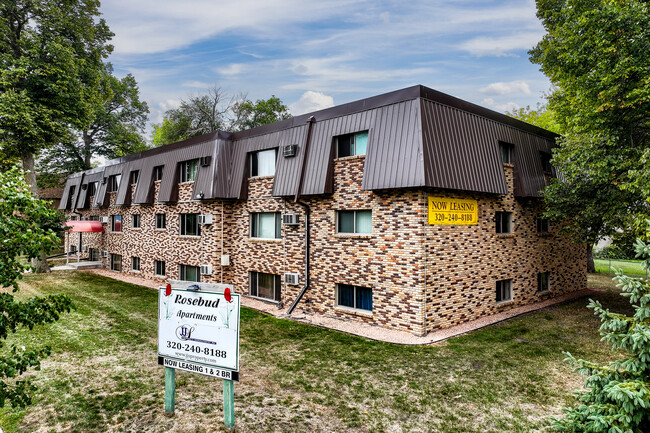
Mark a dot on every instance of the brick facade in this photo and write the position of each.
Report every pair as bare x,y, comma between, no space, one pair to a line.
423,277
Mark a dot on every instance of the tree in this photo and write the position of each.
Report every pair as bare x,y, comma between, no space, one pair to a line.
540,116
27,227
50,69
617,395
116,129
596,54
213,111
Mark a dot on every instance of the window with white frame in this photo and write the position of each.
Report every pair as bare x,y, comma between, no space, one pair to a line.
352,144
189,273
265,286
135,263
189,169
93,254
354,221
116,223
263,162
135,219
504,290
266,225
349,296
116,262
161,221
543,281
189,224
160,268
503,222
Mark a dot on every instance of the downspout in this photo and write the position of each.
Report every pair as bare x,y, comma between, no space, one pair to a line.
74,211
305,148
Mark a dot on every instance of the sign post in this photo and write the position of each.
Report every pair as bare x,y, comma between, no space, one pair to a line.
198,331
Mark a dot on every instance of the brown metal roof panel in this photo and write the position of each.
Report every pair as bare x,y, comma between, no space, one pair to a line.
83,202
123,196
65,198
144,189
287,172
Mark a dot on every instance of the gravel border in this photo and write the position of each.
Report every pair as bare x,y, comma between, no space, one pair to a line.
374,332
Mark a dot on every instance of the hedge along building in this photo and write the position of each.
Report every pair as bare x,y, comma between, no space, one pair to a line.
412,210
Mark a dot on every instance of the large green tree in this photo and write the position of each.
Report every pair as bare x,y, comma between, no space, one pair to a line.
212,111
28,226
116,129
597,55
51,63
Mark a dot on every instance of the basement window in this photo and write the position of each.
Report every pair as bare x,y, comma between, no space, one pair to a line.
116,223
266,286
135,264
543,282
354,221
188,170
504,290
116,262
359,298
351,144
189,273
263,162
189,223
160,268
266,225
503,223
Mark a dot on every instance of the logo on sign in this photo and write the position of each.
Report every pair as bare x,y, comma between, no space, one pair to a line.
184,332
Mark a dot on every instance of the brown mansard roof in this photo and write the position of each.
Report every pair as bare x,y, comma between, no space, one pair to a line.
418,137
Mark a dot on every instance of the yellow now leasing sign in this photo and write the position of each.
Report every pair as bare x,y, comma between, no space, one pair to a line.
454,211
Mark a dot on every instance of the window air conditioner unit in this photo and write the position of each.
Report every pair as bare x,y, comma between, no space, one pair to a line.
291,219
206,269
291,279
85,248
103,219
104,253
205,219
289,150
205,161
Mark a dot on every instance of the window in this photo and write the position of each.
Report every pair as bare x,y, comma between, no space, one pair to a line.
354,221
133,177
263,163
506,150
116,223
160,267
359,298
189,273
546,162
190,224
265,286
114,182
71,197
266,225
188,170
93,254
136,220
116,262
504,223
542,225
351,144
504,290
92,189
161,220
135,263
543,282
93,218
157,172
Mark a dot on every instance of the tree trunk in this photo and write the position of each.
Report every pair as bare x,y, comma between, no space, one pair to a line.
88,140
591,266
39,263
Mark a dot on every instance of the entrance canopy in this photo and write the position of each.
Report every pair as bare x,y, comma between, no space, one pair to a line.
84,226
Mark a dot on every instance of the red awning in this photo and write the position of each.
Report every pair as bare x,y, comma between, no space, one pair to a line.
84,226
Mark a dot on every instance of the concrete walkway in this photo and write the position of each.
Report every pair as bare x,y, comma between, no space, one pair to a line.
371,331
76,266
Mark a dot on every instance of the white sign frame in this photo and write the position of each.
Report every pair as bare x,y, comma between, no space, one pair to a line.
195,328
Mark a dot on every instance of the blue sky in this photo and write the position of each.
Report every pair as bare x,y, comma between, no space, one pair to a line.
314,54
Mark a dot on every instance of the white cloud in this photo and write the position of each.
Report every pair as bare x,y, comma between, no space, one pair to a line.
506,88
231,69
501,46
197,84
311,101
503,107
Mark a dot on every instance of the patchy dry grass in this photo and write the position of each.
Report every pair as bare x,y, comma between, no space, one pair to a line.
103,376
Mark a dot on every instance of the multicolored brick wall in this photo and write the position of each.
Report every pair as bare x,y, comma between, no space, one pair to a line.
423,277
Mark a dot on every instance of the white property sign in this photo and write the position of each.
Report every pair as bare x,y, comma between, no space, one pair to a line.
199,332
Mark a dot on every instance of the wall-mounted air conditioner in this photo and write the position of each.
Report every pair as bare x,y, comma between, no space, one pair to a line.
206,269
289,150
291,278
291,219
205,161
104,253
205,219
84,248
103,219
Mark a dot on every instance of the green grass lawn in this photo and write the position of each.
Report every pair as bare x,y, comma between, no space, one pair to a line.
102,374
632,268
